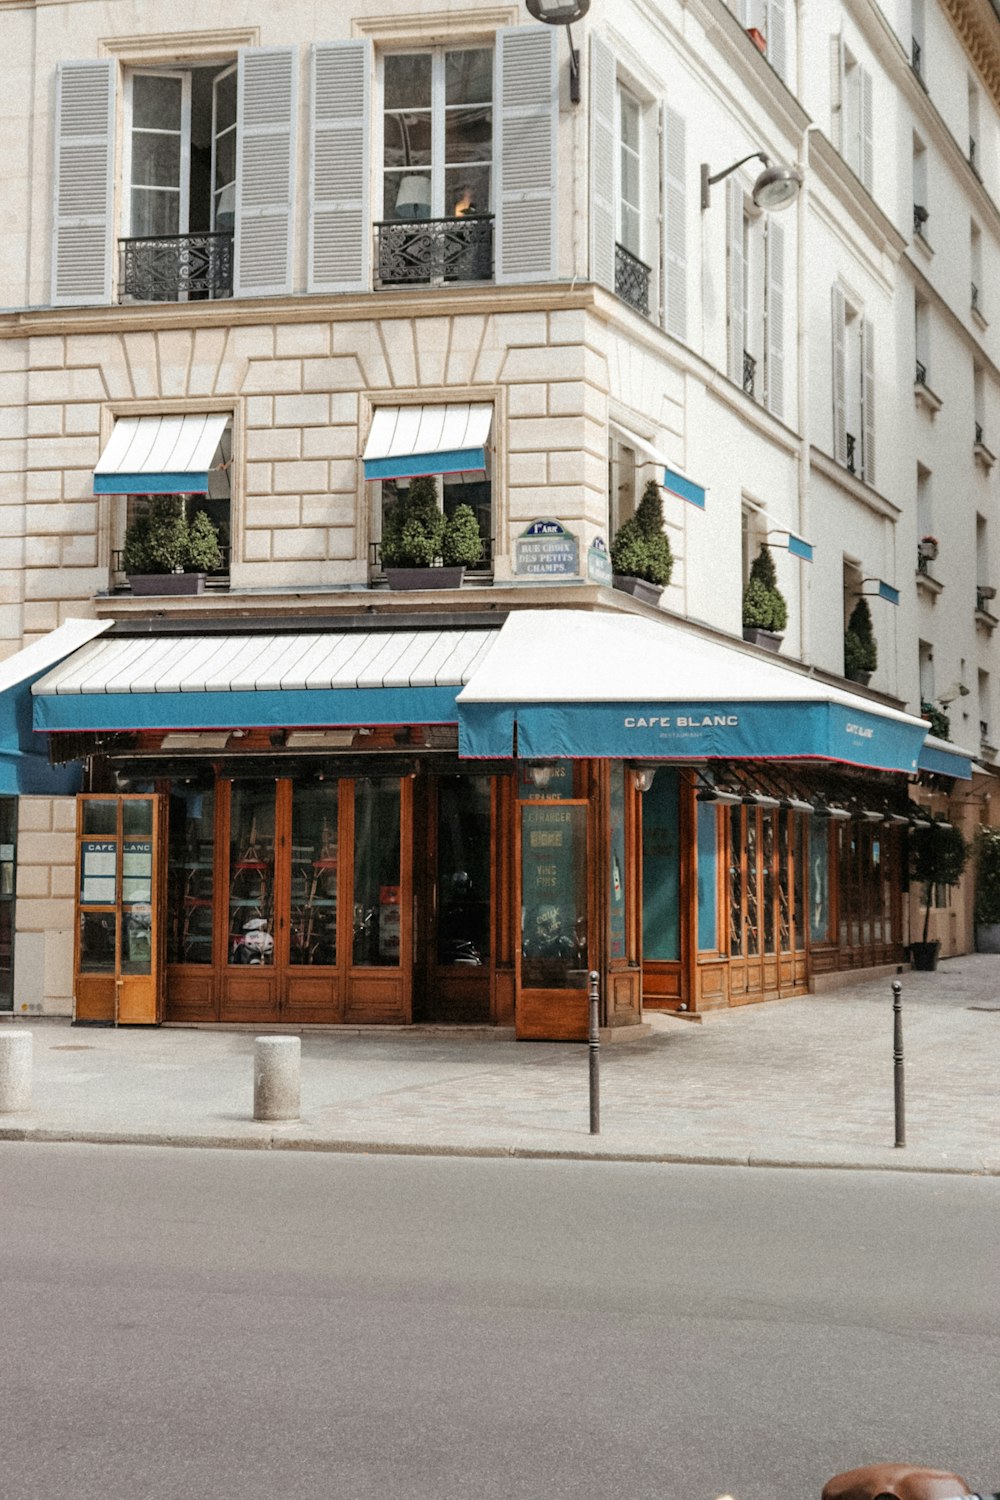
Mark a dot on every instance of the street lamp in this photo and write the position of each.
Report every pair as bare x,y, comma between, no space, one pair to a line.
776,187
563,13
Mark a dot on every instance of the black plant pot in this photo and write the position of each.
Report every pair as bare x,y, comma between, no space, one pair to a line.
924,956
758,636
639,588
424,578
167,583
862,678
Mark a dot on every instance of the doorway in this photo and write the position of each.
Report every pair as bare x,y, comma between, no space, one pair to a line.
456,934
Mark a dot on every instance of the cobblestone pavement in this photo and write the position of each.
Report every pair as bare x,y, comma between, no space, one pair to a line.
807,1081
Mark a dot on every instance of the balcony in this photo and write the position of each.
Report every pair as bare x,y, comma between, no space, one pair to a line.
749,373
176,268
218,579
481,570
434,251
851,446
632,280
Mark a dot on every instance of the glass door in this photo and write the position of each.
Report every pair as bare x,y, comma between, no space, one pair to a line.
458,896
8,866
118,965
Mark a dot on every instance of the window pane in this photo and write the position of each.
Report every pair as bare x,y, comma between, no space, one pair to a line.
156,103
407,196
154,213
100,817
630,230
468,76
225,101
752,920
468,135
156,160
767,861
466,191
137,938
408,80
190,886
630,122
251,873
735,880
477,495
630,177
314,873
554,886
819,880
661,867
463,870
137,816
377,895
97,942
225,159
408,140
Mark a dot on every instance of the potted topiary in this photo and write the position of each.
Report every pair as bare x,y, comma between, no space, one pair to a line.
938,853
461,545
162,554
765,613
940,724
412,537
641,559
860,645
986,909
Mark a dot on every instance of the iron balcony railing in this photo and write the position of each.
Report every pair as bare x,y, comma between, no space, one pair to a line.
916,58
921,376
217,578
484,565
176,268
434,250
851,469
632,280
749,372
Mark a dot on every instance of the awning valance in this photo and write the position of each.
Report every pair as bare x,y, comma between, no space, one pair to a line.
307,680
24,768
160,455
945,759
405,441
581,684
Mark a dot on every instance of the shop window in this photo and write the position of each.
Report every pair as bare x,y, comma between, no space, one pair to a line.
819,880
554,871
377,895
190,875
8,867
463,870
313,912
708,878
251,874
661,868
437,190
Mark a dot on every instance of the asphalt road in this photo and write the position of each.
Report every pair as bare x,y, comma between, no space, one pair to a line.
247,1325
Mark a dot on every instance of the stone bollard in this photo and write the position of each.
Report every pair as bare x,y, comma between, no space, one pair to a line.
15,1071
276,1077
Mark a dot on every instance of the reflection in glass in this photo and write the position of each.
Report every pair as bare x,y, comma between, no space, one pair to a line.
156,102
137,816
751,917
251,873
468,76
767,862
100,817
190,888
407,80
708,877
819,880
98,932
735,881
154,212
314,873
463,870
137,938
554,897
799,911
616,874
377,894
156,161
466,192
661,867
784,915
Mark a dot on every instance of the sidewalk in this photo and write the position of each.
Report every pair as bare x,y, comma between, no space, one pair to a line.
804,1082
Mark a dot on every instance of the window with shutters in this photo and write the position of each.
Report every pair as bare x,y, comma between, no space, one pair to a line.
764,21
853,388
179,171
436,215
852,109
756,310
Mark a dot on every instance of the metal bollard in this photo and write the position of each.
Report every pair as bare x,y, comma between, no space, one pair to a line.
15,1071
595,1055
276,1061
897,1061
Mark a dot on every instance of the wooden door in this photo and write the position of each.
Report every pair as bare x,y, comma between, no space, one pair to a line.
453,873
118,959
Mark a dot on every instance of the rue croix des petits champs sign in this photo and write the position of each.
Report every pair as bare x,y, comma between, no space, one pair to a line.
546,550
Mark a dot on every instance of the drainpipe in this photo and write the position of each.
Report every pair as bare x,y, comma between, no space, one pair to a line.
802,318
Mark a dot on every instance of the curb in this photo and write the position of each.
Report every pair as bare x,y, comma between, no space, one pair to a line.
273,1142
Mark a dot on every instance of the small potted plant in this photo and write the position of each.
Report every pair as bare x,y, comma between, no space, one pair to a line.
641,559
412,537
938,853
860,645
461,544
163,554
940,724
927,548
765,612
986,909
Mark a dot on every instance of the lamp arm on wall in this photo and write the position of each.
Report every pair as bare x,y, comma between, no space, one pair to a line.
708,182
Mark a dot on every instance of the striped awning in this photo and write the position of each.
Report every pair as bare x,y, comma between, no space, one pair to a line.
405,441
305,680
160,455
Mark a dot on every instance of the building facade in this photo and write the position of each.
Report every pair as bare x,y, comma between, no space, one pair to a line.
283,274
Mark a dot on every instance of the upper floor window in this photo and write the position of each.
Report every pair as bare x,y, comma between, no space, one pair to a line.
437,125
853,388
756,300
630,175
852,111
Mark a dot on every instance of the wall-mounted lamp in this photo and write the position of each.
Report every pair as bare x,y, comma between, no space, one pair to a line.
916,822
869,815
957,690
796,804
563,13
760,799
643,777
541,772
776,188
835,814
716,794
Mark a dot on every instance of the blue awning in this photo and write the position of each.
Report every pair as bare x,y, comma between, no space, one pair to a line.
945,759
160,455
406,441
24,765
286,680
575,683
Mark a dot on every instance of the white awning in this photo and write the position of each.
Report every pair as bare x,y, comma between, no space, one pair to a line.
650,453
405,441
160,455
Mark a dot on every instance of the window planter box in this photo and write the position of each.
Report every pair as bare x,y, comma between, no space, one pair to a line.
167,583
424,578
758,636
639,588
861,678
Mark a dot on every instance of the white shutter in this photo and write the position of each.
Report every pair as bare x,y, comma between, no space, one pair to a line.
867,466
837,92
775,251
84,183
737,312
525,153
839,376
674,138
340,167
774,31
867,151
267,98
604,188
